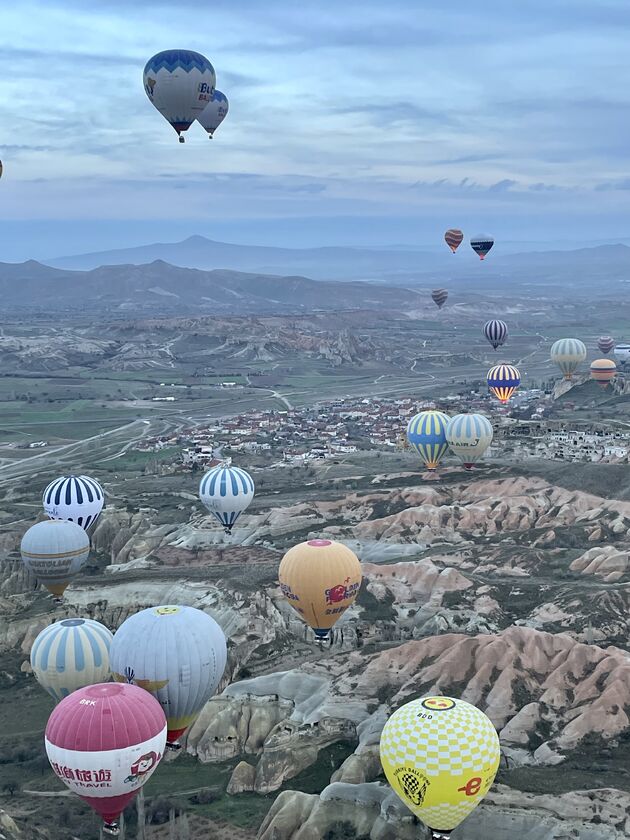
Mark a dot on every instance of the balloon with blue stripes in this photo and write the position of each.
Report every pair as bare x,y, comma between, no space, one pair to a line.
226,491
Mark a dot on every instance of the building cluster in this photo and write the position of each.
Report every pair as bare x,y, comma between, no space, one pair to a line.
524,428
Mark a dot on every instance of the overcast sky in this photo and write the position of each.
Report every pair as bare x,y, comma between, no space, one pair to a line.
350,122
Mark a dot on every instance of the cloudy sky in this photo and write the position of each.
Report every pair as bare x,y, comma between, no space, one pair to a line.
350,123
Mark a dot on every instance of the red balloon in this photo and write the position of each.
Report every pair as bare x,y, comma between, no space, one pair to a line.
104,742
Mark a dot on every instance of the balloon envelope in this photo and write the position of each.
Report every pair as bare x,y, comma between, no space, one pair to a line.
453,238
320,579
71,654
179,83
214,113
226,492
426,433
603,371
176,653
503,380
622,353
567,353
469,436
439,297
54,551
496,332
104,742
605,343
440,755
481,245
77,498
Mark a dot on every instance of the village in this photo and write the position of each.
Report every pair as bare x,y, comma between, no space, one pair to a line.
525,428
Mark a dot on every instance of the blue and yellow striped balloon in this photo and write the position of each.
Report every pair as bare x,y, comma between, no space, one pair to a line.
71,654
503,380
426,434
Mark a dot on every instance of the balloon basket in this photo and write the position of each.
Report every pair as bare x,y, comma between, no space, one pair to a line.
111,829
181,139
173,746
57,600
440,835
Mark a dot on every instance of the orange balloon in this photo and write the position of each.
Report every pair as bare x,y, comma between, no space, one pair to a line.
320,579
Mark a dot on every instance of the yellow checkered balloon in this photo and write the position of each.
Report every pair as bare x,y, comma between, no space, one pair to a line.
440,755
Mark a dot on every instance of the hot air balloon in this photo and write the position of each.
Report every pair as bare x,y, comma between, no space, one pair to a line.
468,436
214,113
180,84
503,380
603,371
104,742
426,433
496,332
178,654
605,343
567,353
320,579
439,297
453,238
71,654
1,169
55,551
77,498
440,755
622,352
481,244
226,492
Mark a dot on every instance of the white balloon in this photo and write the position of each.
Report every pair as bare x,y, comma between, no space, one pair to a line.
180,84
226,492
214,113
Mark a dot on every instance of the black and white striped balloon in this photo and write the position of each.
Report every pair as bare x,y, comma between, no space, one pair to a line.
496,332
75,498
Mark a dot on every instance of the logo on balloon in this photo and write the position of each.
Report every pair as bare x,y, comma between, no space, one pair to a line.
142,766
341,592
438,704
149,86
413,784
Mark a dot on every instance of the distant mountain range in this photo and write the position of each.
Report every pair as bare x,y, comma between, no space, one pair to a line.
319,263
160,288
398,266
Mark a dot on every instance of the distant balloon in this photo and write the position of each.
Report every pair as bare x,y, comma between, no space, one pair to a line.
439,297
426,433
55,551
468,436
176,653
320,579
622,352
214,113
180,84
453,238
226,492
567,353
76,498
496,332
1,169
440,756
603,371
605,343
104,742
71,654
503,380
481,245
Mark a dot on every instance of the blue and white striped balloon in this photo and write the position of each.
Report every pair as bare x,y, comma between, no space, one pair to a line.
75,498
426,433
496,332
71,654
469,436
226,492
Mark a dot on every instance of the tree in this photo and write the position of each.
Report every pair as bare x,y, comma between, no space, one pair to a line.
10,787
